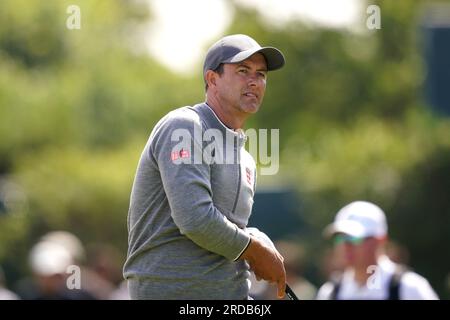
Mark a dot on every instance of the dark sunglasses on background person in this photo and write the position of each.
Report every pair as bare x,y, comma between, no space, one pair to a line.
344,238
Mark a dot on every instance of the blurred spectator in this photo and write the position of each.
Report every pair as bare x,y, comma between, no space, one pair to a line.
69,241
6,294
50,261
100,267
360,233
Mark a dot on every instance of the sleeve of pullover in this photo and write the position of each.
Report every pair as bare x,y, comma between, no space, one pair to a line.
177,149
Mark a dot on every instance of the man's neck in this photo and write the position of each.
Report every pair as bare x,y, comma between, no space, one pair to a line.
231,120
361,276
363,273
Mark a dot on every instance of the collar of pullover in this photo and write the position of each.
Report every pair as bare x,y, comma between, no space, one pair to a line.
211,116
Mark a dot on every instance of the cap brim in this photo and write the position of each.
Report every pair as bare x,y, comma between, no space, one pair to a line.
352,228
274,58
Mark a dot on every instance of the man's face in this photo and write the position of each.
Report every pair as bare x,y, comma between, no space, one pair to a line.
242,85
358,252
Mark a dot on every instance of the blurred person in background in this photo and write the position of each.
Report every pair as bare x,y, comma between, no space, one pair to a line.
99,265
360,233
50,261
93,285
188,208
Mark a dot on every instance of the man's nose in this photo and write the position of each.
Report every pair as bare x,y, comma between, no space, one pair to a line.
348,245
253,80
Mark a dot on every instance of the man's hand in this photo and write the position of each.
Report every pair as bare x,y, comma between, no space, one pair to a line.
266,263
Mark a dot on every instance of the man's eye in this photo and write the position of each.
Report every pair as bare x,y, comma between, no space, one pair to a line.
262,75
242,70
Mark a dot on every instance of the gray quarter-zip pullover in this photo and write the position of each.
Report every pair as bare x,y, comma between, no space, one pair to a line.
188,214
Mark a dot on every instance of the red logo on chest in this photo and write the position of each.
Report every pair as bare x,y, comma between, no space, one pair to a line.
179,154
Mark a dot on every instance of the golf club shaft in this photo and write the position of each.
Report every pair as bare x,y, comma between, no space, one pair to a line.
290,293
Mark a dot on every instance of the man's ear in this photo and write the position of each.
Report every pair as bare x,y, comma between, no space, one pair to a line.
210,78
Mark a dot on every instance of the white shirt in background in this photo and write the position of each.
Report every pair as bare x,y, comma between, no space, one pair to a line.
412,285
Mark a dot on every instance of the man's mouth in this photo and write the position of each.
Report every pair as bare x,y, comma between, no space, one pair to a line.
251,95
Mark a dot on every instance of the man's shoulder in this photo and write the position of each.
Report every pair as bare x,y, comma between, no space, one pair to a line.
413,279
415,286
183,114
180,118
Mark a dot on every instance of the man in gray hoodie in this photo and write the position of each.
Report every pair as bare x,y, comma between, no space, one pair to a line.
193,191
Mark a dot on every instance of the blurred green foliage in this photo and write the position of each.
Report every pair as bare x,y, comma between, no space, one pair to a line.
76,108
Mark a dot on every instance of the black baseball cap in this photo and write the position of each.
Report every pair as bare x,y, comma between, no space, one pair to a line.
238,47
